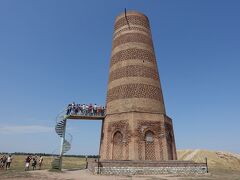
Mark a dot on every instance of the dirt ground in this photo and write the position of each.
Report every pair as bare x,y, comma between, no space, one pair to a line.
86,175
222,166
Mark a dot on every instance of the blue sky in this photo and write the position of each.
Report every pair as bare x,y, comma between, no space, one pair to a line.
53,52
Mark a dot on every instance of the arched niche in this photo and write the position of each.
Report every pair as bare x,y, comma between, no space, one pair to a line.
117,146
149,146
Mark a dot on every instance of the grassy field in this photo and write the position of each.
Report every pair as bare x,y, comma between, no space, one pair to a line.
18,163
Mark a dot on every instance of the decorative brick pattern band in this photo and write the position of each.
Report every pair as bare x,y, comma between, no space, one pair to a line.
151,170
134,91
132,28
148,167
134,71
132,19
132,37
133,53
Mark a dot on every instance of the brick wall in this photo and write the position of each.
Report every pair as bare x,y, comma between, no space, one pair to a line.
148,167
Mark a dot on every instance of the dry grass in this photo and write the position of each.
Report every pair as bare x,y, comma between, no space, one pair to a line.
18,163
217,160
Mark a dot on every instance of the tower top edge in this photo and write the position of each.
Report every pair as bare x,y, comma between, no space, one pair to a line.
130,12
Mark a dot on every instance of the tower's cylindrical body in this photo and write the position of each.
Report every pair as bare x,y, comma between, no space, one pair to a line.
136,126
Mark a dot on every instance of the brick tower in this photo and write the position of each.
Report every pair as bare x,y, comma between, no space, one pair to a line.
136,126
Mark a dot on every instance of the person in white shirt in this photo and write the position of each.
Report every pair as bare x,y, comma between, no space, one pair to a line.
40,162
86,107
9,161
94,109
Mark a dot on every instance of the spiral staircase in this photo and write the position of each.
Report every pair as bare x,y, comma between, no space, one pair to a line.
60,129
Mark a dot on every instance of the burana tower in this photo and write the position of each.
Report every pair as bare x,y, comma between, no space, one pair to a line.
137,135
136,126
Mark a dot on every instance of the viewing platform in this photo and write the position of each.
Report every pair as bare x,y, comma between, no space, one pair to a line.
86,117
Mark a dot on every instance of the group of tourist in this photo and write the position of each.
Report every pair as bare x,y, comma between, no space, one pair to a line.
35,161
5,161
85,109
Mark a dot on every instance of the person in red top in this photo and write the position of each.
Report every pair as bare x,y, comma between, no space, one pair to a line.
90,109
27,162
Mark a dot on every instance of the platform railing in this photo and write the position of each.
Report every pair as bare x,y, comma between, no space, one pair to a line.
86,112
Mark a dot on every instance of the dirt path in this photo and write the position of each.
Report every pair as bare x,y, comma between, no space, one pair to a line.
86,175
191,155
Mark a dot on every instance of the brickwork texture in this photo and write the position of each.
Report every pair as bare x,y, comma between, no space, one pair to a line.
147,168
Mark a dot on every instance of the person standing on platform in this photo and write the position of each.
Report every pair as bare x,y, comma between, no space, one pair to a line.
84,109
69,108
87,110
90,110
103,111
94,109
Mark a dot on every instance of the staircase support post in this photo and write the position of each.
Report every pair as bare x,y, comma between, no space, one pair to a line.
62,144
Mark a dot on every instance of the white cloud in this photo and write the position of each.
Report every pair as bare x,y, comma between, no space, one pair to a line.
24,129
